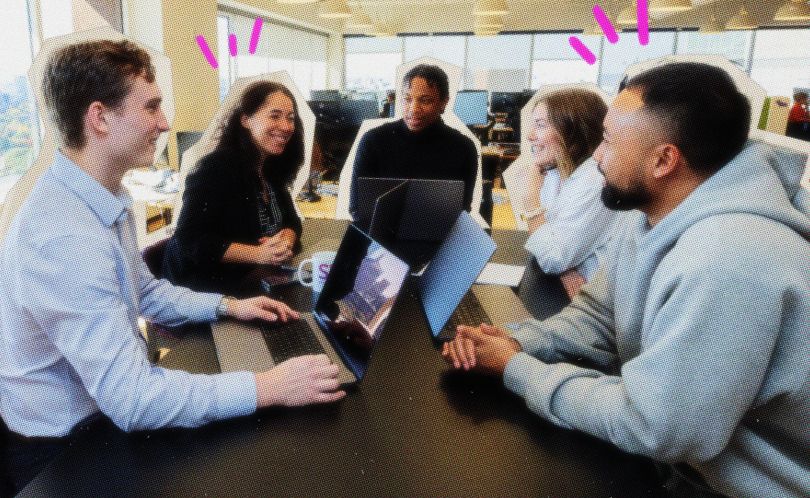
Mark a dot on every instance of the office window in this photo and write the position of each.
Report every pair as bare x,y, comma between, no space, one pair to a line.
17,120
617,58
498,63
733,45
555,62
444,48
781,60
225,63
20,38
300,52
371,63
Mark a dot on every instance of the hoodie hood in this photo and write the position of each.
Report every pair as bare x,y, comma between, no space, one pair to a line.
761,180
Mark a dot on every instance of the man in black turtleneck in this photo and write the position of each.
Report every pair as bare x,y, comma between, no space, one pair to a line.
420,145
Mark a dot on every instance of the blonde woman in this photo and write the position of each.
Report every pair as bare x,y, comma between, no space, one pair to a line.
567,221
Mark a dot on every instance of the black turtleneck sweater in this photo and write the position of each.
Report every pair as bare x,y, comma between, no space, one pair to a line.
436,153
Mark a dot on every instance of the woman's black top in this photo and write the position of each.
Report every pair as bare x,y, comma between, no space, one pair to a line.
222,204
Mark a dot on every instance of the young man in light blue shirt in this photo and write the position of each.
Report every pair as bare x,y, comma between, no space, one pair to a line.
72,283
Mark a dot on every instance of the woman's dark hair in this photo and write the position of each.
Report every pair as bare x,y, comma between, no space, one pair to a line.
280,170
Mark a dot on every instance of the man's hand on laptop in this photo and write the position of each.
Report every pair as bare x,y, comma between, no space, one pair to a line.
485,349
299,381
261,307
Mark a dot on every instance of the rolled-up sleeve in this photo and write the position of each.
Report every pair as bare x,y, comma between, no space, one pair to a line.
574,229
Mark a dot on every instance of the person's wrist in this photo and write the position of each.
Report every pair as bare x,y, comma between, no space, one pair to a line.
225,307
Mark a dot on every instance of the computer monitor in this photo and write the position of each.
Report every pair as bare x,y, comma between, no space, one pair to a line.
471,107
506,102
324,95
354,112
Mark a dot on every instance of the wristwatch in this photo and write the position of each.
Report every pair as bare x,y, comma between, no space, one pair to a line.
222,307
527,215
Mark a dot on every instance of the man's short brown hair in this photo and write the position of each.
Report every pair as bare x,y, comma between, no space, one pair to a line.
80,74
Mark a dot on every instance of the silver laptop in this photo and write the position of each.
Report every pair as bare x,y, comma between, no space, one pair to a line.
349,316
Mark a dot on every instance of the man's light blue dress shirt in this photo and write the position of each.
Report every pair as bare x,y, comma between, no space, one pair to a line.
72,285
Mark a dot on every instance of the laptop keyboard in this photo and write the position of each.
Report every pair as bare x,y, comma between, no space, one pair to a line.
291,339
469,312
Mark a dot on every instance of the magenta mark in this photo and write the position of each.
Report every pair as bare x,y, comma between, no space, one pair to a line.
642,17
254,36
582,50
206,51
605,24
232,44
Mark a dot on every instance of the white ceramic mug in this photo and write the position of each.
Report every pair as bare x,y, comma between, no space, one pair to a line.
321,264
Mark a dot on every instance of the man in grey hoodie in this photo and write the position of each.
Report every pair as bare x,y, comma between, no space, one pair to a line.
696,331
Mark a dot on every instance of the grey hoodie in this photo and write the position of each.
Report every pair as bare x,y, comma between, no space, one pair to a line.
700,331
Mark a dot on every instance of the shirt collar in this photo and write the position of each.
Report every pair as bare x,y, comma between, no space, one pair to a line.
107,206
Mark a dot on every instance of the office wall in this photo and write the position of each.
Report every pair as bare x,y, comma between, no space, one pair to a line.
196,83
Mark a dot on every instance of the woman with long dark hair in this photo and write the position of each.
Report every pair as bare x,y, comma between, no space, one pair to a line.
237,209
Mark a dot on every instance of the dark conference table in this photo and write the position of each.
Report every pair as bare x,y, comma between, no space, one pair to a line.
412,428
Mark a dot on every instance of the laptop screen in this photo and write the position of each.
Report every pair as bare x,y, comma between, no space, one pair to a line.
358,295
453,270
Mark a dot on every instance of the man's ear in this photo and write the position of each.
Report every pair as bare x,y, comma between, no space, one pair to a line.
668,160
96,119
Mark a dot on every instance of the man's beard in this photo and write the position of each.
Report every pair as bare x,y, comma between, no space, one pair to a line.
624,200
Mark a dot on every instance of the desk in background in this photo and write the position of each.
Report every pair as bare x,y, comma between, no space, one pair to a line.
412,428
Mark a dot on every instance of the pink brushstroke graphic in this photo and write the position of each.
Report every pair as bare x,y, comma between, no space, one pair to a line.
254,36
605,24
206,51
232,44
642,17
582,50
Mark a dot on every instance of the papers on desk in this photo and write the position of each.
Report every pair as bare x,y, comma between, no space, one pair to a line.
500,274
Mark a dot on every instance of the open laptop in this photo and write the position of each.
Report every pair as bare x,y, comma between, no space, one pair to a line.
430,206
446,288
413,217
346,323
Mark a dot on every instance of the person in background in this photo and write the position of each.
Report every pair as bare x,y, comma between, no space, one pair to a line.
237,209
568,223
799,118
388,105
72,283
690,345
420,145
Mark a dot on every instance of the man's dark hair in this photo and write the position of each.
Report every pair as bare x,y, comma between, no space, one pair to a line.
95,71
799,95
433,75
701,109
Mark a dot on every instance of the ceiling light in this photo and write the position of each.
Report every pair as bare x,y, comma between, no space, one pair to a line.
669,6
712,25
490,7
359,20
793,10
381,29
489,22
743,20
334,9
